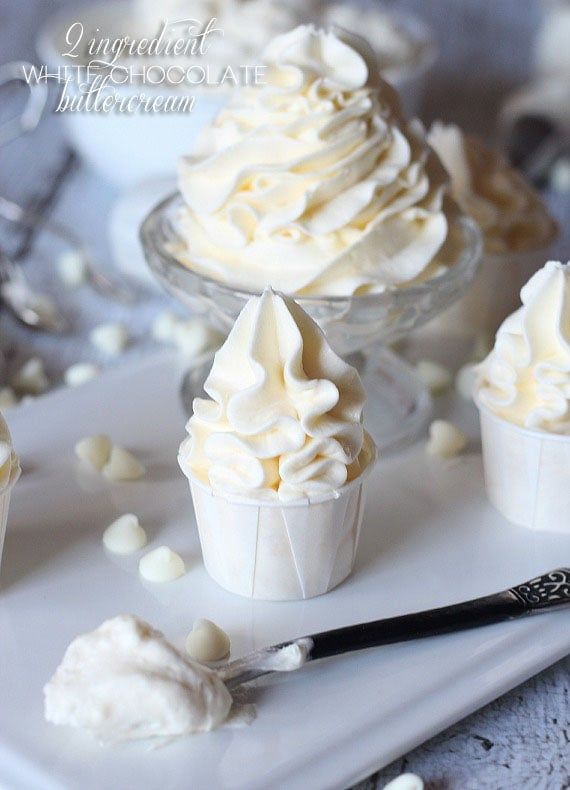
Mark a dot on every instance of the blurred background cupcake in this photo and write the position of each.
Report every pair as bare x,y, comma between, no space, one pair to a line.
516,225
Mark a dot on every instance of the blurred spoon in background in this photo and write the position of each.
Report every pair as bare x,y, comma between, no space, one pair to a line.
33,309
111,288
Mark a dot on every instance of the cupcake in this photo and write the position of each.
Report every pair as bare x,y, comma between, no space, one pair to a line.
315,183
515,224
523,394
277,457
9,473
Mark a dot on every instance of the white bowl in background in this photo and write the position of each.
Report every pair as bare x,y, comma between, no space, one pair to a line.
127,215
125,148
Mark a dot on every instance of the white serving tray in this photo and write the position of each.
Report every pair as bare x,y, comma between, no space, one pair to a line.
429,538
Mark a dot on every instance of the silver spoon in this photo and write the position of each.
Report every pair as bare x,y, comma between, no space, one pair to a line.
31,115
14,213
34,309
539,595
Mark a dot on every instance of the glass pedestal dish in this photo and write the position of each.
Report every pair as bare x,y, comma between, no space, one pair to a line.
360,328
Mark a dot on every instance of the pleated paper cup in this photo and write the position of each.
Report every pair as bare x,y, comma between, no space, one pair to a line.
280,551
493,295
526,474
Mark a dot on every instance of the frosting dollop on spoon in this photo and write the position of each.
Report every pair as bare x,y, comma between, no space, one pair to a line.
125,681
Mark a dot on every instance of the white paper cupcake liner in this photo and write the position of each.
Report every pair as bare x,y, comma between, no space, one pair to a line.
280,551
493,295
526,474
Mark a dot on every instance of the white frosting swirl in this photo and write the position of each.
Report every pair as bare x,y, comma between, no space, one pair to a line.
285,419
526,378
509,212
313,183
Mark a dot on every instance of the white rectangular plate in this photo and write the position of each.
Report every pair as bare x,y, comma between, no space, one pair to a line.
429,539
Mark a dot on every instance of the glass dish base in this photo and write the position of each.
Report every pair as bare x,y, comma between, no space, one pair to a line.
358,327
398,407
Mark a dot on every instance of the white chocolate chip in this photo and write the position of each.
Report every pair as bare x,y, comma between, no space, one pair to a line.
445,439
31,379
8,398
194,337
80,373
405,782
94,451
122,465
482,346
114,462
72,268
207,641
161,565
436,377
465,380
125,535
112,339
163,326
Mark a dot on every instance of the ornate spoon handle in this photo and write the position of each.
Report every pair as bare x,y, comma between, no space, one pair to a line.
542,594
537,595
